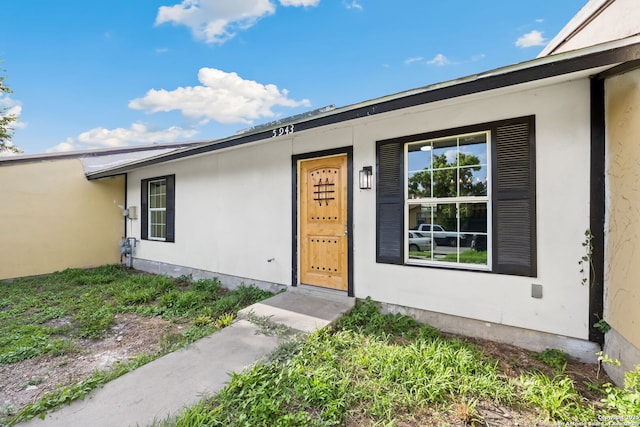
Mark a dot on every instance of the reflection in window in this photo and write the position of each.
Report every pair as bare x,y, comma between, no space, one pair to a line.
447,199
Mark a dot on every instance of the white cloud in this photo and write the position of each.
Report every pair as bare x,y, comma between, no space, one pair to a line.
298,3
223,97
533,38
215,21
138,133
439,60
410,61
353,5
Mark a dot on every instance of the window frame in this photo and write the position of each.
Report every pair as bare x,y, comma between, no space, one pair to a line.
169,209
512,201
457,200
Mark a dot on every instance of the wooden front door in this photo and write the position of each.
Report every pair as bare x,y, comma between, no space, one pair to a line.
323,222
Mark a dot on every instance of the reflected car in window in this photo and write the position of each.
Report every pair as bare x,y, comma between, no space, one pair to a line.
420,242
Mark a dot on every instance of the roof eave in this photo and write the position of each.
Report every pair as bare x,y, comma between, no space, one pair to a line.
606,54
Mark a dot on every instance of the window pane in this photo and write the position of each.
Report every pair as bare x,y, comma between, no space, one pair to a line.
472,181
419,184
157,220
419,174
445,183
445,153
420,245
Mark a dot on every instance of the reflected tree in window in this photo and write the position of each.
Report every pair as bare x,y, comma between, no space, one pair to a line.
448,179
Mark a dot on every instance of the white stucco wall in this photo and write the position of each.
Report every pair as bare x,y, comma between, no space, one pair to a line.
562,156
234,210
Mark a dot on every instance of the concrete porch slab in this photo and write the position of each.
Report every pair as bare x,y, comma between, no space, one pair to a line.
304,311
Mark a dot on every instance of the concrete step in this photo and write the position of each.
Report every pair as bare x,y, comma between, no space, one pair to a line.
303,311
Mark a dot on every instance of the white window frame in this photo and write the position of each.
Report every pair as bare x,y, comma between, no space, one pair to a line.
150,222
449,200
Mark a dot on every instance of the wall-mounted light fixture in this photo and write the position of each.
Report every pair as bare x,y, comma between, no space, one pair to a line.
366,177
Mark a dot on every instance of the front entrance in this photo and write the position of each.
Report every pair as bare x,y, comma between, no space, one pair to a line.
324,222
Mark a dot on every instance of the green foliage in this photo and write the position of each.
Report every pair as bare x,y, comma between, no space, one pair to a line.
602,326
442,180
554,358
556,397
354,367
6,122
211,286
585,262
378,367
367,319
224,320
625,402
202,321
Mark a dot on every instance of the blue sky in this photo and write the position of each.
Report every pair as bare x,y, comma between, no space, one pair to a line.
100,74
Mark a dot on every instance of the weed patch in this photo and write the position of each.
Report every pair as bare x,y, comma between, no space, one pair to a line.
375,369
51,315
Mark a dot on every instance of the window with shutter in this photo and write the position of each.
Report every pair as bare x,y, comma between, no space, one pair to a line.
466,198
158,208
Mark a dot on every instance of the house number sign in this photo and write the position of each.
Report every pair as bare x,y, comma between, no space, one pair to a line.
284,130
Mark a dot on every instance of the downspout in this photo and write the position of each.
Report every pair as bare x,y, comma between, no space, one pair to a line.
597,208
126,204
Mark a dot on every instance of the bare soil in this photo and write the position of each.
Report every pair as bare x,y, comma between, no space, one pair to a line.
27,381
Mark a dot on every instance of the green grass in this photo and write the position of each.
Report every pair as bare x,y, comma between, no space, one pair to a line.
385,370
420,254
468,257
47,315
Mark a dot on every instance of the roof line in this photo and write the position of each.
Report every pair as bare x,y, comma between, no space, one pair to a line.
611,53
584,17
26,158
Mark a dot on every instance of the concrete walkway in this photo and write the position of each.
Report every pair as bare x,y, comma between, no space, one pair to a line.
163,387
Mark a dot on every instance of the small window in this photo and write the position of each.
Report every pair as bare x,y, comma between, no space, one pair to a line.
158,201
157,210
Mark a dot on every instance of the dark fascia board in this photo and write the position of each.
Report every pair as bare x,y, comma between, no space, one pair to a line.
534,70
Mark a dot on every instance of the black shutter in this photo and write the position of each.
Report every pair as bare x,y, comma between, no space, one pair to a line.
171,208
144,209
514,198
390,203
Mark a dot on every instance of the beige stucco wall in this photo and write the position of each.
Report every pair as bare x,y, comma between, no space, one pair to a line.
52,218
618,20
622,267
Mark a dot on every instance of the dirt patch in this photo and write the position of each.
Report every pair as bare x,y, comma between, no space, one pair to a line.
27,381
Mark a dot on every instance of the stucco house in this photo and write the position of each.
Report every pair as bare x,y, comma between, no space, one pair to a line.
514,157
531,168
